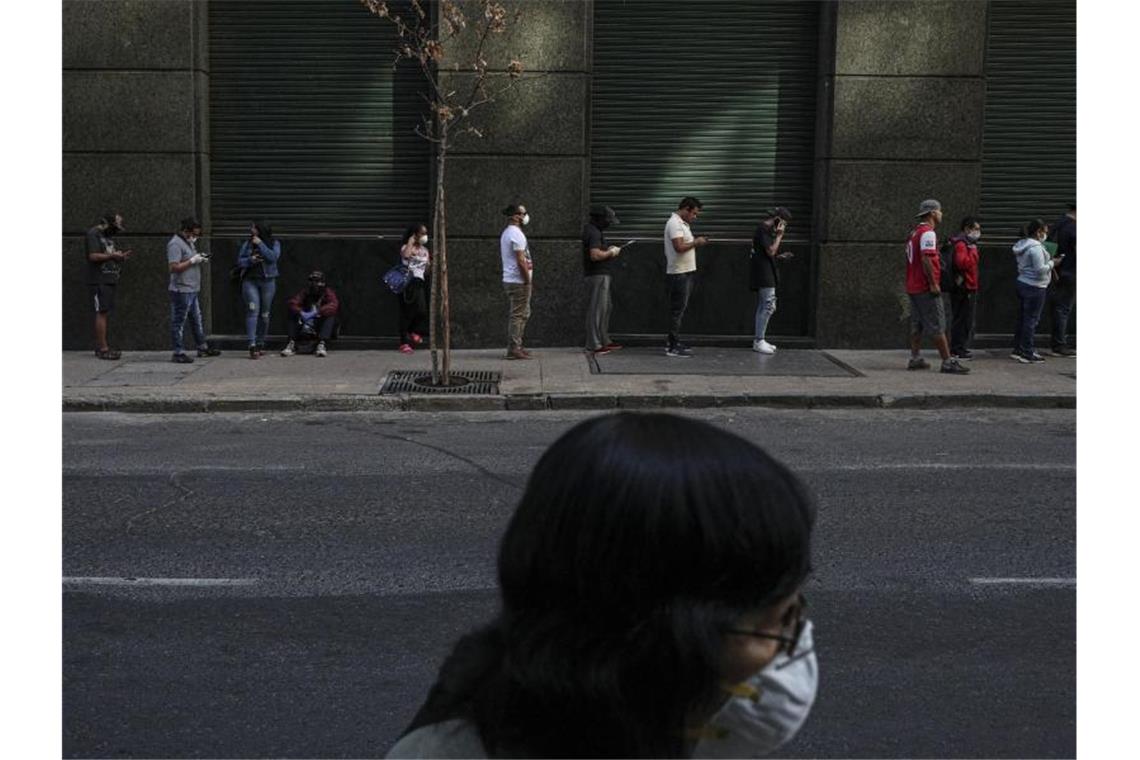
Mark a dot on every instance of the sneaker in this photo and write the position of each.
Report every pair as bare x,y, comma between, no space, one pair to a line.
964,355
952,367
207,351
763,347
1036,358
613,347
182,359
918,363
254,353
1017,357
406,349
602,351
679,350
321,352
416,338
290,349
1064,351
517,353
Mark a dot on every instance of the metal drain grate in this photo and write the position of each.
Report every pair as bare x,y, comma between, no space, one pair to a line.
478,382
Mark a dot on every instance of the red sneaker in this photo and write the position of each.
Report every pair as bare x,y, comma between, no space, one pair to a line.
613,346
416,338
406,349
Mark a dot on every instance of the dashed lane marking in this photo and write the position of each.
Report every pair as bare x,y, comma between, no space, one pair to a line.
108,581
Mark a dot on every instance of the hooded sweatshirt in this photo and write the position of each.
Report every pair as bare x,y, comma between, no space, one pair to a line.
1033,262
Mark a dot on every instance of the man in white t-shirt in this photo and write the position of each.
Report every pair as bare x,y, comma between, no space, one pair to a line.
518,275
680,266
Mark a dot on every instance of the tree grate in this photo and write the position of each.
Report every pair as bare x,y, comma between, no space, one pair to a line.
476,382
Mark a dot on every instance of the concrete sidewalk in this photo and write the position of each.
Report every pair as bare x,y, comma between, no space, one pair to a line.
562,378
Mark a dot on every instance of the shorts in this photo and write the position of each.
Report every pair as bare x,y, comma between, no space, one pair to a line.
102,297
926,314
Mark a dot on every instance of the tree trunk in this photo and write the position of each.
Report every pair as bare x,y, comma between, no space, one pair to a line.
437,227
441,251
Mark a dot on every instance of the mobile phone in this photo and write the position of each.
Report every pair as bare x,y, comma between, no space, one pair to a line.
626,244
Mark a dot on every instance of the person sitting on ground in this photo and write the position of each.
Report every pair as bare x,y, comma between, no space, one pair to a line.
312,314
651,581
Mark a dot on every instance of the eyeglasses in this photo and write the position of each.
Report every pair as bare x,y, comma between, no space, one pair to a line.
793,624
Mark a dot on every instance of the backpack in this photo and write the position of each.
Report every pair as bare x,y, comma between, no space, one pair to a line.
949,272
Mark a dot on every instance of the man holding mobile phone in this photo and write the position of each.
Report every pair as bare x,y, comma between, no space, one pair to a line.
185,264
597,264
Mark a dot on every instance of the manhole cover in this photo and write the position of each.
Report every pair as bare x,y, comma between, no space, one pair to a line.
477,382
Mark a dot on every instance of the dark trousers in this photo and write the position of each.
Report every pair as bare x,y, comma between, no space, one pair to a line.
1064,295
963,305
679,288
1030,302
413,310
324,327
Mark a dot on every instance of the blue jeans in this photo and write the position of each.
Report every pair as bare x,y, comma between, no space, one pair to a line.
1030,302
765,308
258,294
184,305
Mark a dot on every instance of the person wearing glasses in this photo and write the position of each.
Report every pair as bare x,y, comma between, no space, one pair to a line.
652,606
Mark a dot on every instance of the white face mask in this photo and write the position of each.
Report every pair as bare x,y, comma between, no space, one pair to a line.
192,239
423,239
973,237
526,219
782,696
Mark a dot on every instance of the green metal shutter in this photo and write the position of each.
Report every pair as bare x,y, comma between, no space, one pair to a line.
310,126
1029,156
714,99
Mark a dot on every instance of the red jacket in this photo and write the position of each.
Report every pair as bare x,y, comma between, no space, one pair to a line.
966,262
328,306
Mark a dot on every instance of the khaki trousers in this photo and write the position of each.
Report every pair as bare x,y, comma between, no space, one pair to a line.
518,299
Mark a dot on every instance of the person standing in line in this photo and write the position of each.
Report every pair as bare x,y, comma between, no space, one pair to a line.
185,264
413,301
597,264
518,278
258,258
763,274
680,268
923,271
964,296
1064,289
104,265
1034,270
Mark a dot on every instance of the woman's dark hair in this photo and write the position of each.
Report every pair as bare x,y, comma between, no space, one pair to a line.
264,231
639,540
412,229
968,222
1031,228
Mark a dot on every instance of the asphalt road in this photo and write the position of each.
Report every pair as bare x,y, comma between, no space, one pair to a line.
328,561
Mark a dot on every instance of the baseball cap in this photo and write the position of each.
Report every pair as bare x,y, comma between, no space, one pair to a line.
927,206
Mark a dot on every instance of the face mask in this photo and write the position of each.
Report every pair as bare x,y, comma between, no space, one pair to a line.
192,239
780,698
526,219
973,237
423,239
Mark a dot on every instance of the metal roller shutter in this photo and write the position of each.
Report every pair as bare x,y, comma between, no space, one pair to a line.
310,126
745,76
1029,157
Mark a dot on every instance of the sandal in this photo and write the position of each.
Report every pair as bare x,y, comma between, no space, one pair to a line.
109,354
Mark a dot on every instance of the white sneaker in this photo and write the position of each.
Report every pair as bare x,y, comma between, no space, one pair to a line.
321,349
763,347
289,349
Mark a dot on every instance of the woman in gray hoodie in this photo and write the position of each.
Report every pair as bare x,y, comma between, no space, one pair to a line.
1034,268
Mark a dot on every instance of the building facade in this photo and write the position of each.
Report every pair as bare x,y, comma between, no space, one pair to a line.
850,113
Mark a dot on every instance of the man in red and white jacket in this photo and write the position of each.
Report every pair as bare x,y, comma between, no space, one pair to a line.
923,270
964,298
312,312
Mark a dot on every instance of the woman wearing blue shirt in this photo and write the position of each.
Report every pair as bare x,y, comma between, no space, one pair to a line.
258,258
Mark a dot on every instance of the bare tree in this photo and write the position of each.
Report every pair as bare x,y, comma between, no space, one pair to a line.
454,31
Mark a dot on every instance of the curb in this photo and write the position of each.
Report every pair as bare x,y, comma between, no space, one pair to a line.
561,402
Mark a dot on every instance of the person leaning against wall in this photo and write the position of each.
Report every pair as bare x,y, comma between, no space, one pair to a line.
104,265
763,275
258,260
185,264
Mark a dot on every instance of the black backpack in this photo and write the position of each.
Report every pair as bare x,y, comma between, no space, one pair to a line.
949,272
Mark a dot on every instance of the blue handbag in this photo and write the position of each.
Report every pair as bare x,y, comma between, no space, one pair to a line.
397,278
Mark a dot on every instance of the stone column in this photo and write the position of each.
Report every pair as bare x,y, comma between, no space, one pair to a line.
135,140
900,120
534,151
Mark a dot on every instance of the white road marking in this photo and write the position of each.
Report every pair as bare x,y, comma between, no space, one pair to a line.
108,581
1024,581
938,466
